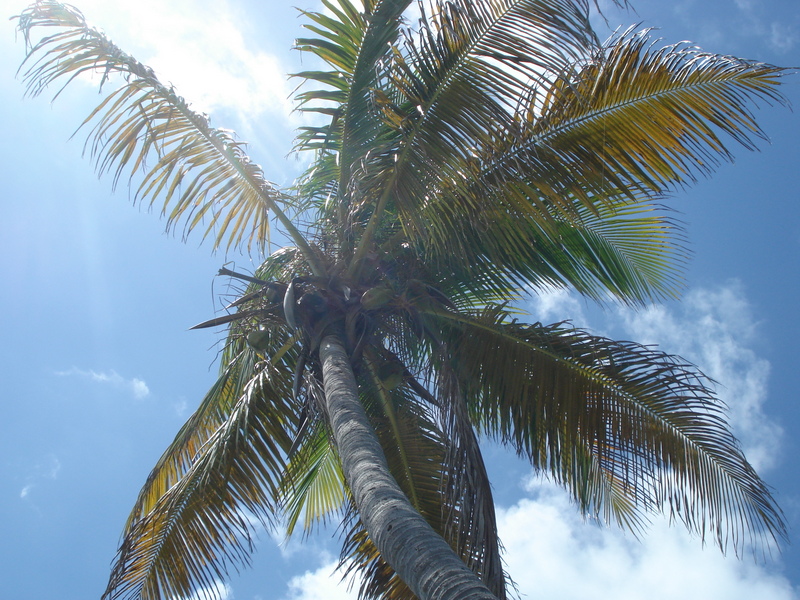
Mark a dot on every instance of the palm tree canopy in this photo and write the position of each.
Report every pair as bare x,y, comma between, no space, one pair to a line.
460,160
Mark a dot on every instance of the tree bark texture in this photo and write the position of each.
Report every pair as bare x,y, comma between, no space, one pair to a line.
420,556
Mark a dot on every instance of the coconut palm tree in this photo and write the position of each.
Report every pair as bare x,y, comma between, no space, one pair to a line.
463,154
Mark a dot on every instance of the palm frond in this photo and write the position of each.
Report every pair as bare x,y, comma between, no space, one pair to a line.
203,174
470,521
410,438
633,251
582,161
313,486
178,458
450,86
635,120
357,47
206,521
627,429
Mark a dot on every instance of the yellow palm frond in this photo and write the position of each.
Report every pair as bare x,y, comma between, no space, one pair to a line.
636,119
205,522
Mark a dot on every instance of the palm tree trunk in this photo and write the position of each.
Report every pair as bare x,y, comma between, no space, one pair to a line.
422,559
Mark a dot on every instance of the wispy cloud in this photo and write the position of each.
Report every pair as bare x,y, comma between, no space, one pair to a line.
783,37
46,469
748,22
181,407
550,305
199,47
137,387
323,582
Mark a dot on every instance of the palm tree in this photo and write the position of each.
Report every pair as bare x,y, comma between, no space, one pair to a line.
460,160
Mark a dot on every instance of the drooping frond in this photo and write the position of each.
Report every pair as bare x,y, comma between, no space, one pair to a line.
202,174
470,521
204,523
177,460
625,428
313,486
230,455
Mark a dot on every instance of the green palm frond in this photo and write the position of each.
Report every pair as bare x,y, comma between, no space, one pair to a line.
213,411
357,47
633,251
591,147
625,428
313,486
450,86
471,528
203,174
206,521
410,438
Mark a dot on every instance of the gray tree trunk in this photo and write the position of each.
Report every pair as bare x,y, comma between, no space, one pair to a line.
422,559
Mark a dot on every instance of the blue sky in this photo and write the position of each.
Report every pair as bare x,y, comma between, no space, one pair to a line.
99,370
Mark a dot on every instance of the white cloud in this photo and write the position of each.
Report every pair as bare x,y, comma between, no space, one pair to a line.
137,387
181,407
550,305
323,582
198,46
782,37
552,553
